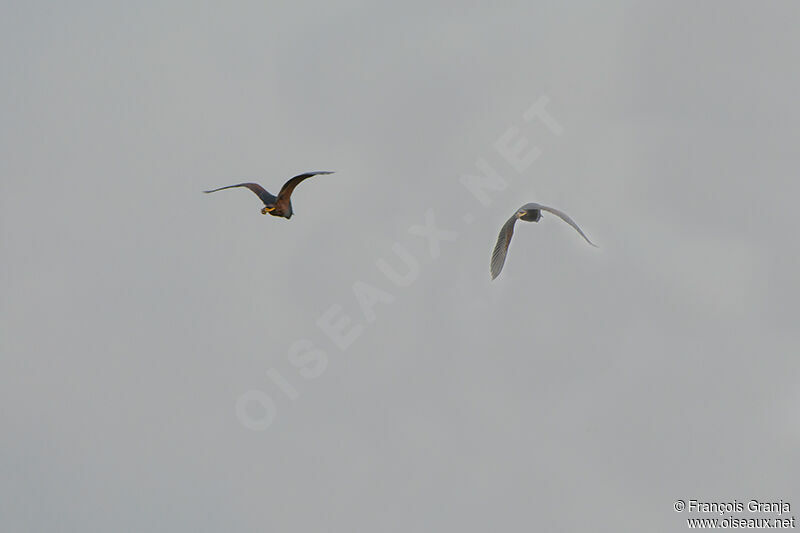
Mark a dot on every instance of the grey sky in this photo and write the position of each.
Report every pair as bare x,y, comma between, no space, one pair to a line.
584,389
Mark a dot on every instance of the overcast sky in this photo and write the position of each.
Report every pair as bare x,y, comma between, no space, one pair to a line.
173,361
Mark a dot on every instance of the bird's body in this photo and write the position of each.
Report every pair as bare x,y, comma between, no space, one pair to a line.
277,206
529,213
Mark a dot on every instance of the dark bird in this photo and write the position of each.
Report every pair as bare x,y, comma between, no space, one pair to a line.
277,206
528,213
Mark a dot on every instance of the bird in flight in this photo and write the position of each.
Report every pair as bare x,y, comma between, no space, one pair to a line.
277,206
528,213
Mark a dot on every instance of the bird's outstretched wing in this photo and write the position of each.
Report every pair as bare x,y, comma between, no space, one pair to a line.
285,193
501,248
260,191
563,216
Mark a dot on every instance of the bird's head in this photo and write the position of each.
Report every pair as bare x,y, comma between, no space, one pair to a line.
529,215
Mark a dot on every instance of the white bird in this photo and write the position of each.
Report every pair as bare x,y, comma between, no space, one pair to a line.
528,213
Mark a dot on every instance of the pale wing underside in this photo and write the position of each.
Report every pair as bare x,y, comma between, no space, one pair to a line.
563,216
